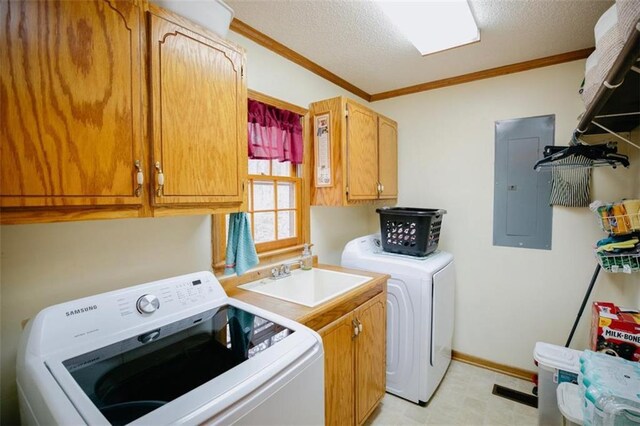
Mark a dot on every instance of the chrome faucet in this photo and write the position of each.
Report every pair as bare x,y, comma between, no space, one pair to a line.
283,270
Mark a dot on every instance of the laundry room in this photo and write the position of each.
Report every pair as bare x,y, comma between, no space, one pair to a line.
359,229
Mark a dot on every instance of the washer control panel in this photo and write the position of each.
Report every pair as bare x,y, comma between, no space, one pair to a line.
169,296
103,315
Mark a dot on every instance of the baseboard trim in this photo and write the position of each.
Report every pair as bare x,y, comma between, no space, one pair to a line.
516,372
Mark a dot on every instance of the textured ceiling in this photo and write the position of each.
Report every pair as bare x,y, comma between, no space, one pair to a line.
355,40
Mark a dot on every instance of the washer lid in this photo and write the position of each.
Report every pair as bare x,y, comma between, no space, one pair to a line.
198,364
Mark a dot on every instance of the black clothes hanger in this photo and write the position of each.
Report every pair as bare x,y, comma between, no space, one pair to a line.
605,154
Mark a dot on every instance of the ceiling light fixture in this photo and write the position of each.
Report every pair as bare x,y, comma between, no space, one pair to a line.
433,26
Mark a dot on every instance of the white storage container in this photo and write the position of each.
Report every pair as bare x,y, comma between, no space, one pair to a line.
570,403
556,364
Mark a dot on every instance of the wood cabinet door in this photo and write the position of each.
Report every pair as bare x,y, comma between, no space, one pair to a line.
370,356
70,103
362,152
339,377
199,116
388,158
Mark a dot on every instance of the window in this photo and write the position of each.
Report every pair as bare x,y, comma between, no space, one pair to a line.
278,195
274,204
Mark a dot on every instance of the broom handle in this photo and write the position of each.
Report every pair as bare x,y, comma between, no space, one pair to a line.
584,303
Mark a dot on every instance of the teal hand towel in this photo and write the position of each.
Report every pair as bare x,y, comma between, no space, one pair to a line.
241,252
241,330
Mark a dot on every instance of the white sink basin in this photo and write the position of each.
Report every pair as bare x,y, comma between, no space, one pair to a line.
308,288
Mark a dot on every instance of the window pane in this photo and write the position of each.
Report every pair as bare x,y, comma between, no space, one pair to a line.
280,169
286,195
259,167
286,224
263,194
265,227
250,197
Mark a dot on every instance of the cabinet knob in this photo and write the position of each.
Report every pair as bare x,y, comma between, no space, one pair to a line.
357,327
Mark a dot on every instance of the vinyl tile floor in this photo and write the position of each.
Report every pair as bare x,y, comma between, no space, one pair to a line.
463,398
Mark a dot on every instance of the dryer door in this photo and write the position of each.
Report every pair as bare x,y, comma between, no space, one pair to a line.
401,366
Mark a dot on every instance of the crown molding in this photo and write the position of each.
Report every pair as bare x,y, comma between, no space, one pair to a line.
262,39
489,73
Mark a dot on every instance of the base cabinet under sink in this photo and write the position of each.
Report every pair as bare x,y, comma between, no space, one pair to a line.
355,360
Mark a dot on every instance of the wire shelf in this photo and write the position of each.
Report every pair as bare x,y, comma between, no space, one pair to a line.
618,224
626,263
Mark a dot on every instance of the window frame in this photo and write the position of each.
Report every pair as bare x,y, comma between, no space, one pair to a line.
292,178
273,251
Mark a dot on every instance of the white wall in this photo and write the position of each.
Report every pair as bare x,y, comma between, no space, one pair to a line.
507,298
45,264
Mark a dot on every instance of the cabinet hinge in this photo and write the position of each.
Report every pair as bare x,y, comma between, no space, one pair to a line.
347,190
346,112
242,71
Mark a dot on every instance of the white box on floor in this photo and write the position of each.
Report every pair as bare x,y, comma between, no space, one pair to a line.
556,364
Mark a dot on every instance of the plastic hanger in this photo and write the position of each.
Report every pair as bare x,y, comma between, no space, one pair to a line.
605,154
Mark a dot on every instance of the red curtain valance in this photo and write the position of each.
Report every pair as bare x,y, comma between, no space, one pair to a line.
274,134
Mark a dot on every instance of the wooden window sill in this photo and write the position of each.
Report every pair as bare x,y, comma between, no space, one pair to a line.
267,258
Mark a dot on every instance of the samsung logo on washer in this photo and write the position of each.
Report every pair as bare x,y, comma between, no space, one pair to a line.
82,310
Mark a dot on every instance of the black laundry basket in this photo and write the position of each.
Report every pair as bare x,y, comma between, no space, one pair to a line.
411,231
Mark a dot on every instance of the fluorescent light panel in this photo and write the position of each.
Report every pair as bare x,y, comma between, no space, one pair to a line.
433,26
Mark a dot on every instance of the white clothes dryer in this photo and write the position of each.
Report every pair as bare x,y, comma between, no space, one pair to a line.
419,314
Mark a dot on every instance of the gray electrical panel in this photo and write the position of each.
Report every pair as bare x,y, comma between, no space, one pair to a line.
522,216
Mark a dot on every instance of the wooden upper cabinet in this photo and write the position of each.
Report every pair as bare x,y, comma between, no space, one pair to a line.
362,154
388,158
70,103
199,115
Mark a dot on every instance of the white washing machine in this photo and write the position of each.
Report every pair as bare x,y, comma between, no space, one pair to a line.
419,314
175,351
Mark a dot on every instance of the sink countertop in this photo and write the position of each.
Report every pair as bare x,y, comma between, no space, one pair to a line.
318,316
